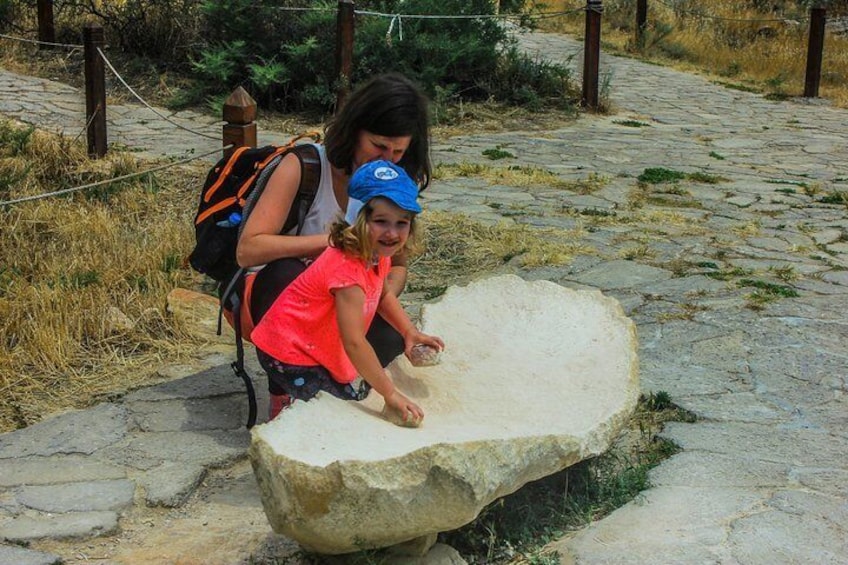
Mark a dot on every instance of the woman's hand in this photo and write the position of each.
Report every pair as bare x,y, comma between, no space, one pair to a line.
401,411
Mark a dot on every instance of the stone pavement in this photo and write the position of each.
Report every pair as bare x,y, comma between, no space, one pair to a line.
739,289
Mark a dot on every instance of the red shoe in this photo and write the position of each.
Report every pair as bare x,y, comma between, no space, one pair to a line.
278,403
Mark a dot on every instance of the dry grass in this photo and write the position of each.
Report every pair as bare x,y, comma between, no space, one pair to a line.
516,175
459,248
726,39
84,277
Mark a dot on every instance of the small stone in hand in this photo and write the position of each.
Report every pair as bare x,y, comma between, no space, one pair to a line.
424,356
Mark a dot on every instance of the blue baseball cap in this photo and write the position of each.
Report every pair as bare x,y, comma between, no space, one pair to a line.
384,179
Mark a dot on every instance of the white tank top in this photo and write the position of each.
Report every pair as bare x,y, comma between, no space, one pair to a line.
324,210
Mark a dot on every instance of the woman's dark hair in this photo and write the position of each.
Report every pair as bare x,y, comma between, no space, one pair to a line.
390,105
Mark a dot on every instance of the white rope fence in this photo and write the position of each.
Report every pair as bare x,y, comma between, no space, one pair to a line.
109,181
25,40
148,106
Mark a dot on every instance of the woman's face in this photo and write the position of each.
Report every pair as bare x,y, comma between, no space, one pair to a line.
388,227
370,147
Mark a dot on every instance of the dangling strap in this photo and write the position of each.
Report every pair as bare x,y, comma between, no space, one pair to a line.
233,299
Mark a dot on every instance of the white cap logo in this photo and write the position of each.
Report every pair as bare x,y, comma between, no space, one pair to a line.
385,173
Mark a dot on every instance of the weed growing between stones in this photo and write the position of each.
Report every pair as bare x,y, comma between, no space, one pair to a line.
727,274
632,253
631,123
765,293
685,311
835,197
657,175
497,153
517,528
660,175
786,273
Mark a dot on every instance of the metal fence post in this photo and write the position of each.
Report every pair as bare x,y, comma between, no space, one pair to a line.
46,29
344,50
240,116
95,90
592,53
815,48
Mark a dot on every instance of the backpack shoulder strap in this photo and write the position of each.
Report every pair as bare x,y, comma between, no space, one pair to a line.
310,179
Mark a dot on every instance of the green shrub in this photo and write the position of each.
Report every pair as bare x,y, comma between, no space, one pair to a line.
164,32
8,9
286,58
284,53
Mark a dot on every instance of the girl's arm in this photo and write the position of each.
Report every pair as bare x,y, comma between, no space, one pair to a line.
260,241
392,311
350,302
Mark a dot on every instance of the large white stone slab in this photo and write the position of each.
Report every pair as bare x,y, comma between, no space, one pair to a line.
534,378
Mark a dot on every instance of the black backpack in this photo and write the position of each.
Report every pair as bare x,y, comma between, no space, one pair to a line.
229,194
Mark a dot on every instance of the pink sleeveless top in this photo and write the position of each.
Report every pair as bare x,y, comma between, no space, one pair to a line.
301,327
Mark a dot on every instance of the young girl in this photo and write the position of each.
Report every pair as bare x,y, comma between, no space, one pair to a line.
313,336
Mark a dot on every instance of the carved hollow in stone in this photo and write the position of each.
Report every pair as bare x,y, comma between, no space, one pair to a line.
534,378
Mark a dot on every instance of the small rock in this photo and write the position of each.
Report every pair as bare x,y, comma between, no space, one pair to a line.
197,313
116,322
424,356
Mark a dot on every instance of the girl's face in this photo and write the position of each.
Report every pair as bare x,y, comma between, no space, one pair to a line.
388,227
370,147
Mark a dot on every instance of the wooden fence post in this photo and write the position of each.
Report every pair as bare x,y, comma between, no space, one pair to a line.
240,115
592,53
641,23
344,50
46,29
814,50
95,90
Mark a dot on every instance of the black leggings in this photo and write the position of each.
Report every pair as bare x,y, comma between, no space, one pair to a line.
277,275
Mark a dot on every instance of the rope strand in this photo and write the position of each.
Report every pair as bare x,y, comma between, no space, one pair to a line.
109,181
25,40
149,107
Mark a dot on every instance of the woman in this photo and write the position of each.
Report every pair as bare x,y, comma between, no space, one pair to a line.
385,118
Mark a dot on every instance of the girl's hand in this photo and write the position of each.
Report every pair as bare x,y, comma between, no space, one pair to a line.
414,337
401,411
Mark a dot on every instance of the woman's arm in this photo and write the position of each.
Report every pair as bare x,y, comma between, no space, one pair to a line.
350,302
260,241
396,281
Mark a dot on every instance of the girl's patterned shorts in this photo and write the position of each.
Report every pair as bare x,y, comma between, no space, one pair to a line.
304,382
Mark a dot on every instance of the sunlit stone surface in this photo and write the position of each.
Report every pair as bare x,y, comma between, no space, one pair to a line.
535,377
